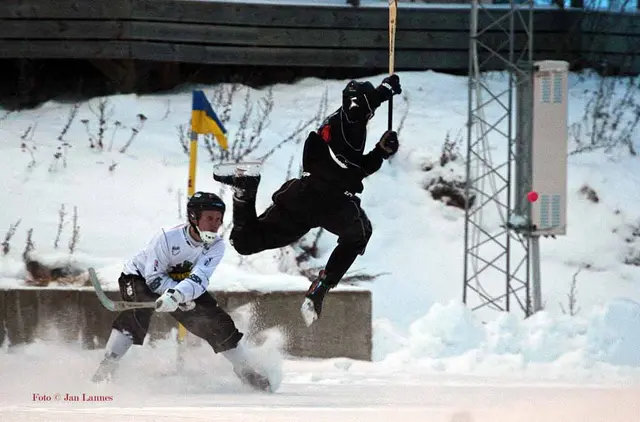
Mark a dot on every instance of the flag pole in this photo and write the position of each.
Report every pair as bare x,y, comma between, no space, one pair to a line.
193,157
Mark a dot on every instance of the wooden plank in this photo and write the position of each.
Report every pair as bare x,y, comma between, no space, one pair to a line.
266,55
229,55
619,64
321,37
608,44
65,49
63,29
611,23
280,56
69,9
335,17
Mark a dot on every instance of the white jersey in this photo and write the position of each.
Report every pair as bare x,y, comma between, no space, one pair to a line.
173,259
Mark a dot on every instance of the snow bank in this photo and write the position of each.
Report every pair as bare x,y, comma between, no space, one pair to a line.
451,337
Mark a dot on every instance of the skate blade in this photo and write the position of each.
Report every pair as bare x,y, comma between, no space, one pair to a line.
308,312
255,381
248,168
262,386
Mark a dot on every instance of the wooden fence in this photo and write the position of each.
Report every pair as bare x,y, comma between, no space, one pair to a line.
272,34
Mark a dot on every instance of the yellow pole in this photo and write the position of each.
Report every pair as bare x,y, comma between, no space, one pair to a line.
193,156
191,189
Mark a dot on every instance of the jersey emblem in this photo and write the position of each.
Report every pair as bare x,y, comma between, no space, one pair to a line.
181,271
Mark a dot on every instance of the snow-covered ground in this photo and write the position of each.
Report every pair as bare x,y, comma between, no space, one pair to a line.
433,358
55,387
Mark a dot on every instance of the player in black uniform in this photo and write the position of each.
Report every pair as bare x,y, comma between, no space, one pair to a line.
334,165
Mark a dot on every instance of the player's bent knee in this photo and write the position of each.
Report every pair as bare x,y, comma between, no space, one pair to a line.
220,344
212,324
135,323
243,244
360,239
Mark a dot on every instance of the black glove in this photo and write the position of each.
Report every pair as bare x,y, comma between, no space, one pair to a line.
389,87
388,144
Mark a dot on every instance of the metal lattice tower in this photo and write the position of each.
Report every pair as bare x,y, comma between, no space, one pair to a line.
496,257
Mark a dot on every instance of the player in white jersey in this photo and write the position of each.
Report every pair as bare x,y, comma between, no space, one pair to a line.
174,270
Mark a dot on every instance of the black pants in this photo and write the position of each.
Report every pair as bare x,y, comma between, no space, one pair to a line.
298,206
207,320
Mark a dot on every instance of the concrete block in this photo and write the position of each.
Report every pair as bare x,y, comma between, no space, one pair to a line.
76,315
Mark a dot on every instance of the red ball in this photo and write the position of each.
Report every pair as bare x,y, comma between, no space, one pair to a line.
532,196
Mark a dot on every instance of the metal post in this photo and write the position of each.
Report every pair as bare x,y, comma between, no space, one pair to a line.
535,273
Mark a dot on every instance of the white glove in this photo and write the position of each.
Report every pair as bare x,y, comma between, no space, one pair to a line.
169,301
187,306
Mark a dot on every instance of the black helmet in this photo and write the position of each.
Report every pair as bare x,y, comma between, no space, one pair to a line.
358,94
355,88
204,201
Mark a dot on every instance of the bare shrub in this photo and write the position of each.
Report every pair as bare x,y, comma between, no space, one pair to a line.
5,115
351,278
134,132
29,246
75,233
572,307
6,246
301,128
116,126
184,137
41,274
450,149
63,147
27,144
179,197
103,111
308,250
590,194
249,134
632,256
61,215
405,113
444,184
609,121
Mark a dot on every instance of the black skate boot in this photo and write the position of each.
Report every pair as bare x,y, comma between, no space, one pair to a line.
104,373
312,305
245,186
253,379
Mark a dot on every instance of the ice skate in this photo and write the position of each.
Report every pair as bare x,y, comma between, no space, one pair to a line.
104,373
252,378
312,305
244,179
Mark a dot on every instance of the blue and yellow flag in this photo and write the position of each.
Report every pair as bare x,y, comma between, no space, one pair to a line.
205,121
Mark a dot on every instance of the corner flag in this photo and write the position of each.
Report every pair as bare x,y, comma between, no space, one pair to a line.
204,120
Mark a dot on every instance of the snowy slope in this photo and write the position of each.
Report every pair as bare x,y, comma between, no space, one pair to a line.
417,243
